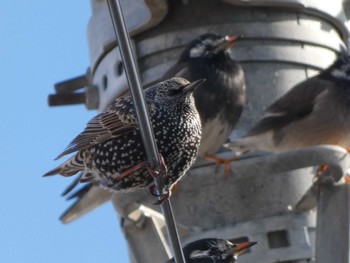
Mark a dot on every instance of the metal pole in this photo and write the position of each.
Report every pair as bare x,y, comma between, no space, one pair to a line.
333,228
143,119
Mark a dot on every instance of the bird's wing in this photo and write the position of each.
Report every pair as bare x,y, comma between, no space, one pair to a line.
294,105
118,119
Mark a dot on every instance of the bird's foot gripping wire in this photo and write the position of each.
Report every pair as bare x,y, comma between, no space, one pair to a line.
323,174
163,168
322,169
162,197
219,161
165,195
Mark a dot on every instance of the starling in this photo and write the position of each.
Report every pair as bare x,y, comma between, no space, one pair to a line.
110,151
220,99
315,111
213,250
207,56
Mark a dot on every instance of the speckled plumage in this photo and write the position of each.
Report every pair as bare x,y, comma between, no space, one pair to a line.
111,143
213,250
219,100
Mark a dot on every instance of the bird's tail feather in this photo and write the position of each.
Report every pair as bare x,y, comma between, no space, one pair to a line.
70,167
72,186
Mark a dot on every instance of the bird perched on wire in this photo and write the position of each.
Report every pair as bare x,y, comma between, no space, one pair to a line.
219,102
110,149
213,250
220,99
315,111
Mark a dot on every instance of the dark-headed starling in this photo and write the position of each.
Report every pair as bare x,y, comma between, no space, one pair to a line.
213,250
110,149
220,99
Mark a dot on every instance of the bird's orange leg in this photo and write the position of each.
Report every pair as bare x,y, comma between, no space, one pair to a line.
164,196
153,173
163,168
152,188
325,167
321,169
136,167
218,161
144,164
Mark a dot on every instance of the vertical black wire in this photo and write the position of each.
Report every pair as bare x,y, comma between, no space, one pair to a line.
143,119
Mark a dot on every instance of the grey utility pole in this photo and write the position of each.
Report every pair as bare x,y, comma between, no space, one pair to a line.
269,199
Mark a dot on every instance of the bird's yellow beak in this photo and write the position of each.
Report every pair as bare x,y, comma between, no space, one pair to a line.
230,40
243,247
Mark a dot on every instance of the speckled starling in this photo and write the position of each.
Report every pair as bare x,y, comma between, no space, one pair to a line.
220,99
316,111
219,102
213,250
110,149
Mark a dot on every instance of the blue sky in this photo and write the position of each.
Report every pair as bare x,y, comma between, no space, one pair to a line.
43,42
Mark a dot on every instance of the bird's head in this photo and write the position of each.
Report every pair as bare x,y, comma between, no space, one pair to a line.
176,87
215,250
340,69
208,46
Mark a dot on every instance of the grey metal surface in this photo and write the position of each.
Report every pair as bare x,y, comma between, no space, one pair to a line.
144,123
144,228
257,188
331,11
100,30
111,82
335,9
333,224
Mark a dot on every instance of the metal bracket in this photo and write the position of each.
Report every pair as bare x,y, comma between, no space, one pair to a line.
333,224
66,92
142,226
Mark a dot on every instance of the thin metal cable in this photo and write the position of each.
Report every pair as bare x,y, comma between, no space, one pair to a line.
143,119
